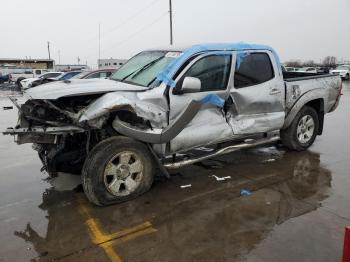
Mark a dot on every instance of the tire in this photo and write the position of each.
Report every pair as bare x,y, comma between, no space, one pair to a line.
107,176
18,82
347,77
307,135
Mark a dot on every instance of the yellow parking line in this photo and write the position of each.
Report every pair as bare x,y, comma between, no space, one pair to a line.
106,241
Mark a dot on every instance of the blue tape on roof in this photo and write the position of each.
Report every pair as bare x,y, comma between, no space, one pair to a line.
167,74
213,99
239,57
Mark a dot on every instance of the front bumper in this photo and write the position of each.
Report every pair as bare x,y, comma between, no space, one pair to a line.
41,135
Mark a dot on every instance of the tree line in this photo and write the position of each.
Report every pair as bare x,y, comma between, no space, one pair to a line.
328,61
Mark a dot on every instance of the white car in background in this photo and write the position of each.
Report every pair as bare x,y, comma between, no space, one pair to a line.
343,71
291,69
307,70
26,83
19,74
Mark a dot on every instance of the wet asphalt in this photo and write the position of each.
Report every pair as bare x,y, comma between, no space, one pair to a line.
298,208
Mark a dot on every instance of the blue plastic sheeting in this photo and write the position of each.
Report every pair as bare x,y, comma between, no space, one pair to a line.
239,57
167,74
213,99
245,192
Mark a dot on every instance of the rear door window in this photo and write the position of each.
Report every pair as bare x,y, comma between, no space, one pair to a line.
253,69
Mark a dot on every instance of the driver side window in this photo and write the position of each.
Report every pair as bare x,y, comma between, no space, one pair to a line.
213,71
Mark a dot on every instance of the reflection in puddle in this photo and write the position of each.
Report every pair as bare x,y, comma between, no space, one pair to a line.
200,223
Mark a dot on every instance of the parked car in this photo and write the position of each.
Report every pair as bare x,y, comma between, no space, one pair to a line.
100,73
343,71
18,75
307,70
27,83
164,103
64,76
291,69
323,70
4,78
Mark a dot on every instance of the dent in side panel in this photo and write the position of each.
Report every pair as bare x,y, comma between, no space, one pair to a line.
195,135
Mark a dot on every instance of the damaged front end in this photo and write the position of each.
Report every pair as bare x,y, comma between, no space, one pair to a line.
54,129
64,130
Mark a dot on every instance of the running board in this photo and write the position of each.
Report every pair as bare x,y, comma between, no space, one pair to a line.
222,151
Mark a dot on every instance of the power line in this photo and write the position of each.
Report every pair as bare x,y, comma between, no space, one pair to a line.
133,16
127,20
137,32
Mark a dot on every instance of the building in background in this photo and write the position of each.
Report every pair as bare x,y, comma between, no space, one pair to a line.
63,68
110,63
27,63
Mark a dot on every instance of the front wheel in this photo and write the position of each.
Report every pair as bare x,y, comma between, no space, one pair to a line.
347,77
302,132
116,170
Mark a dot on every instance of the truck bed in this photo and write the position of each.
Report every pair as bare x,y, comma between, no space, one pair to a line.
297,84
297,76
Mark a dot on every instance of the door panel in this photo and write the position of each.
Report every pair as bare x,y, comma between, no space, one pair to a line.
257,106
209,124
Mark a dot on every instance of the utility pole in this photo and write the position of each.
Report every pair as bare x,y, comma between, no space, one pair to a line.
48,49
171,22
59,57
99,42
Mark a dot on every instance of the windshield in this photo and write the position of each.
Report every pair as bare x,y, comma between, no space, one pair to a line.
344,67
144,68
81,75
69,75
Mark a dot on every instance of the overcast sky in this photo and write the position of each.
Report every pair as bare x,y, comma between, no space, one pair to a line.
297,29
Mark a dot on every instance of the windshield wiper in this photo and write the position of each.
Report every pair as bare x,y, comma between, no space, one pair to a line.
140,70
151,82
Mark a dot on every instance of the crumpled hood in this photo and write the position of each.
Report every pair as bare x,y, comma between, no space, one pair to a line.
78,87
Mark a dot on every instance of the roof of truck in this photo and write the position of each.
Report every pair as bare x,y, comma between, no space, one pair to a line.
212,46
187,52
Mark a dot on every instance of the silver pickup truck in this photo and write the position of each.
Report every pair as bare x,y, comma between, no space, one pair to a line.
164,104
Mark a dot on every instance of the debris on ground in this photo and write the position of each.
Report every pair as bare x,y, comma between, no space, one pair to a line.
7,107
245,192
221,178
270,160
185,186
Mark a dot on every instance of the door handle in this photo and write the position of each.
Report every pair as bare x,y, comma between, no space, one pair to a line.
275,91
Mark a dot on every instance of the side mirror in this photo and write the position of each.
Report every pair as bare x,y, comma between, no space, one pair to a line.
191,85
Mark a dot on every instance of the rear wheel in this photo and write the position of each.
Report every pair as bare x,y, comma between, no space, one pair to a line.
116,170
347,77
302,132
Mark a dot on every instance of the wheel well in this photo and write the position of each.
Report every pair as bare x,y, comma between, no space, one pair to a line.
318,105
